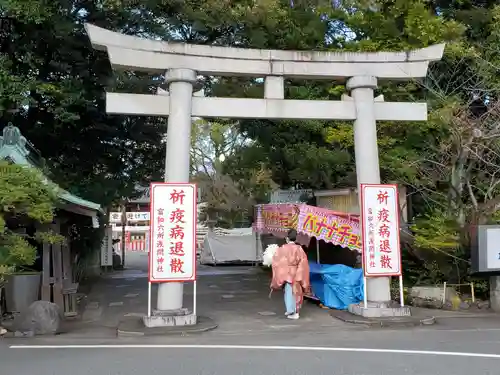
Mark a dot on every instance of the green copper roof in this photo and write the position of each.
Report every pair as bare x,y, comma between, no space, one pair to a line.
14,147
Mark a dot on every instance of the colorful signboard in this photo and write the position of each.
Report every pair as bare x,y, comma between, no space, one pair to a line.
380,228
172,255
277,217
329,226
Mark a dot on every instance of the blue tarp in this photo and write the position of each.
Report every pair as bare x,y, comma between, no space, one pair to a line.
336,285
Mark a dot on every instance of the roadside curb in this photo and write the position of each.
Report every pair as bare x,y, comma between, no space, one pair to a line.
134,327
408,321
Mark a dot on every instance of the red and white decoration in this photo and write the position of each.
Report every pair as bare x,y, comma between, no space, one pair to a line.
380,228
173,232
137,245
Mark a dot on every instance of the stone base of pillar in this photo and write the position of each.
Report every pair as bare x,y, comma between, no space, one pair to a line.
161,325
171,318
376,310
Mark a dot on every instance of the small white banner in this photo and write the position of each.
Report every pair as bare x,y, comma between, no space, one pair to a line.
115,217
173,232
380,228
132,217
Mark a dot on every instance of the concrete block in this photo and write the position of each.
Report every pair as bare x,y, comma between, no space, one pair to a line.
169,320
432,293
181,311
379,312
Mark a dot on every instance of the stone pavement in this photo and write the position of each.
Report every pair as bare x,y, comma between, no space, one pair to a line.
238,302
236,298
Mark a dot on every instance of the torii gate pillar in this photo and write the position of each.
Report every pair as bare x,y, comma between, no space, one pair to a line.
180,86
367,163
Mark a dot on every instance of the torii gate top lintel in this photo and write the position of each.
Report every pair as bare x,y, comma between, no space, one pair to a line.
131,52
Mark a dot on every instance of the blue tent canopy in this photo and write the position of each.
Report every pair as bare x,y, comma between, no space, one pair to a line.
336,285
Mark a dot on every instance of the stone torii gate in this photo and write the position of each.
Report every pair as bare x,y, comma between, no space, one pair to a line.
181,63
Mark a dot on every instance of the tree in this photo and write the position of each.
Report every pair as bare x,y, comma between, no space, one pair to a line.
211,143
229,199
53,86
319,154
25,196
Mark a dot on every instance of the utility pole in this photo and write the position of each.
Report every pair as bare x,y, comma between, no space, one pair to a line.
124,223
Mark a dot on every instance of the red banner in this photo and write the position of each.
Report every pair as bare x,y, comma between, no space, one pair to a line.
327,225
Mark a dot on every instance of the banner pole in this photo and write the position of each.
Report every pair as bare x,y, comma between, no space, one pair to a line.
365,297
149,299
194,298
401,292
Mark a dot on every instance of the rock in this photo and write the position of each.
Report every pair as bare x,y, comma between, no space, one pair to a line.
426,303
41,318
3,331
434,304
483,304
464,306
448,306
415,302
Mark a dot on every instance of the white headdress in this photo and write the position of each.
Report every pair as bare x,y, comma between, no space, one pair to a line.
267,257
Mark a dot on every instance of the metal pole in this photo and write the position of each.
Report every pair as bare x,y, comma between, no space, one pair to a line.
365,297
257,250
317,251
401,292
124,223
149,299
194,298
444,292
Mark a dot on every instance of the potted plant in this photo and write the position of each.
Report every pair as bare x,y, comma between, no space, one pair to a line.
26,198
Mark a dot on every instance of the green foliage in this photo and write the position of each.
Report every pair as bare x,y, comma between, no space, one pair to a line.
52,87
435,231
49,237
319,154
25,195
25,191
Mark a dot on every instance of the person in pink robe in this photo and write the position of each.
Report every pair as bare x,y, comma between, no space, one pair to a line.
291,272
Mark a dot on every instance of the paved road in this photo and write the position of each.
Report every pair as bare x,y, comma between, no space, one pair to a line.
373,353
457,346
239,362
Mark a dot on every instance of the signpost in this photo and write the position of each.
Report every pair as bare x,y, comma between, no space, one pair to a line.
107,248
380,232
172,255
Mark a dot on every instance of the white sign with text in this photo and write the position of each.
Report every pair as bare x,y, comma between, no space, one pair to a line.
173,232
131,217
380,230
